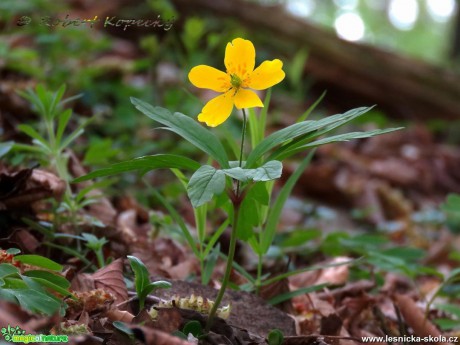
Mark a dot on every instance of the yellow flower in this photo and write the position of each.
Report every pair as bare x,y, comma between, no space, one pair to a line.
234,85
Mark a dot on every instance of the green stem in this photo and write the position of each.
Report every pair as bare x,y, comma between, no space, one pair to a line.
231,251
242,137
241,151
100,258
228,269
259,273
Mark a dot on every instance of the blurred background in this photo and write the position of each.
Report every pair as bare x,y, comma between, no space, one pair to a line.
401,55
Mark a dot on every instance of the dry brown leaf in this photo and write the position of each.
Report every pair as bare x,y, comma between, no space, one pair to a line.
279,287
28,242
337,275
110,278
21,189
165,257
85,340
416,319
11,183
82,282
152,336
331,325
102,209
168,320
12,314
351,289
49,181
119,315
90,301
133,224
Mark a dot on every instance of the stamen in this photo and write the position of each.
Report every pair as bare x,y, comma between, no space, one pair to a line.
235,81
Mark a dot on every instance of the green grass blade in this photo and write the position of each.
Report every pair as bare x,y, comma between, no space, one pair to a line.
307,113
179,221
269,232
298,131
159,161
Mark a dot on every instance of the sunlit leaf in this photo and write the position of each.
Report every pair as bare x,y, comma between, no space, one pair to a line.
187,128
299,130
39,261
269,171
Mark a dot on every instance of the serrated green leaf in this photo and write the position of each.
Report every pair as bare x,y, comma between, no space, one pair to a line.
160,161
39,261
187,128
269,171
204,183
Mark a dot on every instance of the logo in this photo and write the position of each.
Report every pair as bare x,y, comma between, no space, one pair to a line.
18,335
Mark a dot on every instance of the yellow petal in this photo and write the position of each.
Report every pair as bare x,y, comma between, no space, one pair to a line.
240,57
217,110
247,99
266,75
207,77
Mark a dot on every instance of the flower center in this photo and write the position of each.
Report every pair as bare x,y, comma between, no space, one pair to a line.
235,81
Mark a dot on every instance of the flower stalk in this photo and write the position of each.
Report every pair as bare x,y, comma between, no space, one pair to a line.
236,201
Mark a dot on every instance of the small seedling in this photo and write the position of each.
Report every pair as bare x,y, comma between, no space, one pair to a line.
275,337
192,327
142,280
